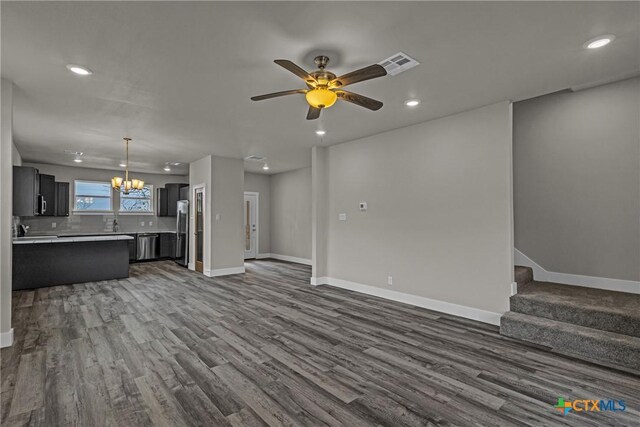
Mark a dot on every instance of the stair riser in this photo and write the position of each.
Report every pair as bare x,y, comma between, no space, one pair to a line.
611,322
523,275
613,354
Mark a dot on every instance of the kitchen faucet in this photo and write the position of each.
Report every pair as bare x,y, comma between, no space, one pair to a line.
115,225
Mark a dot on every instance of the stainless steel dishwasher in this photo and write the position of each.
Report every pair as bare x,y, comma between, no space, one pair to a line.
147,246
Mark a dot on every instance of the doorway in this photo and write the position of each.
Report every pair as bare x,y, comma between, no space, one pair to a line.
198,197
251,201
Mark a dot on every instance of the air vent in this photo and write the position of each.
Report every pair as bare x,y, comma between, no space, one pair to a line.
255,158
173,164
398,63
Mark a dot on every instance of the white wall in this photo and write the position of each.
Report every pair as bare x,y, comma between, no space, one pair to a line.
260,183
6,207
577,181
291,214
439,216
16,158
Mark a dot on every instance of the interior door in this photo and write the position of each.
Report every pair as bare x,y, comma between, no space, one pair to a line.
250,225
199,229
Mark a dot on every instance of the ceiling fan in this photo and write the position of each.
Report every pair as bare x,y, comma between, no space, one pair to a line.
324,88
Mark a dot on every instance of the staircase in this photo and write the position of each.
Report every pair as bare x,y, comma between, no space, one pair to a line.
591,324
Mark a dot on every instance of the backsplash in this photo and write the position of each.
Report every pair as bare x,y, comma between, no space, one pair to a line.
97,224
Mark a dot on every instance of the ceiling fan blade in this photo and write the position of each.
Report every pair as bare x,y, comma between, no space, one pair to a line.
313,113
366,73
360,100
284,63
277,94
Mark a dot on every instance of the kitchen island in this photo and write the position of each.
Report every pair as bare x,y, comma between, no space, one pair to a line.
50,260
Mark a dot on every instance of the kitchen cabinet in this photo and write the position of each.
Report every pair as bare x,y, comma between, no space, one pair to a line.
161,202
62,199
168,198
26,191
184,193
133,248
167,245
48,193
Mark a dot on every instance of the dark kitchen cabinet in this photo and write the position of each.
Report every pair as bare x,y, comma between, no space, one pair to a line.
167,245
26,191
48,193
62,199
168,198
161,202
184,193
133,248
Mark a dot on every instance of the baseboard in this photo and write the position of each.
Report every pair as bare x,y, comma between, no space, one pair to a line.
6,338
431,304
224,271
192,266
288,258
262,256
542,275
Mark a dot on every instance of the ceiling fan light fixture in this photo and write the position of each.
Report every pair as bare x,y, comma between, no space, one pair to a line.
321,98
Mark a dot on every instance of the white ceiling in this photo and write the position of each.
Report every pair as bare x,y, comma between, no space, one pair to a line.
177,77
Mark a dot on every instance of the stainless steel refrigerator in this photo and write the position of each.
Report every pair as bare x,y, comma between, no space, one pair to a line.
182,233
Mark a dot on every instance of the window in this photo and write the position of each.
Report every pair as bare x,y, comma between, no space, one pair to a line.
137,201
91,196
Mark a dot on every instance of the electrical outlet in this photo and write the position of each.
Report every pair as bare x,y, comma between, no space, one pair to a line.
389,280
363,206
141,223
342,217
150,223
54,225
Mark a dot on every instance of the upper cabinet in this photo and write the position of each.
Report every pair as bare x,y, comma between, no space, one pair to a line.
26,191
48,193
36,194
167,199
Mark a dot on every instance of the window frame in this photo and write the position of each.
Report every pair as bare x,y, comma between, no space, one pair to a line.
77,211
151,199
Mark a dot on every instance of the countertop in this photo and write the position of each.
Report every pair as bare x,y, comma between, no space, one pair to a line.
55,239
96,233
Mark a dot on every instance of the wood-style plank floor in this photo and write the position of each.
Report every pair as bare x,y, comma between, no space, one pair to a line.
171,347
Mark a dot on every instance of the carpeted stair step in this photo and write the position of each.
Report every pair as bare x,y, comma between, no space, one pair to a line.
611,311
523,275
606,348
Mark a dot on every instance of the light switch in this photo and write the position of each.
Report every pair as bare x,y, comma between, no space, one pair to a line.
150,223
342,216
217,217
141,223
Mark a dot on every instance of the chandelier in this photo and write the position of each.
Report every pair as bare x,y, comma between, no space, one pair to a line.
125,185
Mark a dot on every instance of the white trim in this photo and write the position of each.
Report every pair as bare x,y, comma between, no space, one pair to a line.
192,266
290,258
514,288
431,304
542,275
314,281
224,271
6,338
262,256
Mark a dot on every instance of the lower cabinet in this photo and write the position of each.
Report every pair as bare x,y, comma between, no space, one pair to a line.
167,245
133,248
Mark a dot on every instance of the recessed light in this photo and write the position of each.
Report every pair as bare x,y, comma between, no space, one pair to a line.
265,167
599,41
82,71
167,169
77,160
320,132
412,102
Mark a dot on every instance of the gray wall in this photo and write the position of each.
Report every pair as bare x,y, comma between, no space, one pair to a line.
439,216
260,183
6,202
577,181
227,201
291,213
98,223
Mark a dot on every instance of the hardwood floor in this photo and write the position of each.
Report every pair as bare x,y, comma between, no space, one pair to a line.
171,347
